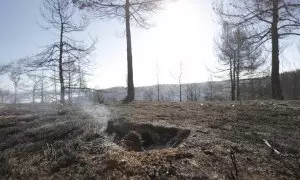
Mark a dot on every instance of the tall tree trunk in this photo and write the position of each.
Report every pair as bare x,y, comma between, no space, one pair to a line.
42,87
180,99
234,76
252,88
238,66
33,94
157,79
16,93
211,88
275,81
69,85
295,85
158,92
60,68
211,92
55,87
80,83
238,92
231,80
130,88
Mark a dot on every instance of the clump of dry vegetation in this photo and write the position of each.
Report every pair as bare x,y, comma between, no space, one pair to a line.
46,141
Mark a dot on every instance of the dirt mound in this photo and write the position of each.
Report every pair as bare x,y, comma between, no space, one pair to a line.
132,141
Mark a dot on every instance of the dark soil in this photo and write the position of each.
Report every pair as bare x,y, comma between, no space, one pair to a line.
253,140
151,136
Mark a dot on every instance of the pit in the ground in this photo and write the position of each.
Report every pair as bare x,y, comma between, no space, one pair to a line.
140,137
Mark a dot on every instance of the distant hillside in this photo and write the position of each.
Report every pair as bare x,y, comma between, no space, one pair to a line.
256,88
168,92
251,89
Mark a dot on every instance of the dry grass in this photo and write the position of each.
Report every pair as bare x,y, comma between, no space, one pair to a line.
46,143
226,142
220,129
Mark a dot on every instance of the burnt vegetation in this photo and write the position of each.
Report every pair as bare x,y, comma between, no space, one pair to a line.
169,140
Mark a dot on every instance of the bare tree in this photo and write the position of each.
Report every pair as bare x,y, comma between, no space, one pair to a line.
3,95
136,11
15,70
59,15
180,82
193,92
254,62
55,85
178,78
42,87
226,55
170,94
37,84
71,72
238,55
148,94
248,58
15,77
269,20
295,82
209,92
82,84
157,80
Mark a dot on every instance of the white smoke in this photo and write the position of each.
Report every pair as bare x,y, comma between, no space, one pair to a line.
100,113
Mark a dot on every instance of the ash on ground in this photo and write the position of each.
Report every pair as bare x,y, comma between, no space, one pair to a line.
253,140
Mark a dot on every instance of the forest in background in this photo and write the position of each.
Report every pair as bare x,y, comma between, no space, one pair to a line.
251,89
250,38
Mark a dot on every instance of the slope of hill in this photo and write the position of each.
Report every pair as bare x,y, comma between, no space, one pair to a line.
251,89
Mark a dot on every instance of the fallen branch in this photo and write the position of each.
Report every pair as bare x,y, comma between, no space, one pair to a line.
271,147
286,164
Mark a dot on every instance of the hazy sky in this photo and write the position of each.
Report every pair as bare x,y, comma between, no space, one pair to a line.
184,32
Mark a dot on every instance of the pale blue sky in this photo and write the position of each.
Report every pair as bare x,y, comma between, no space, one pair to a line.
184,31
19,32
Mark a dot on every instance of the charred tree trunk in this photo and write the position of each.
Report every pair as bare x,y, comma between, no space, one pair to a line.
252,89
211,91
55,87
69,86
180,98
33,94
238,92
42,87
158,92
295,96
275,81
16,92
60,67
130,88
231,80
234,77
238,65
